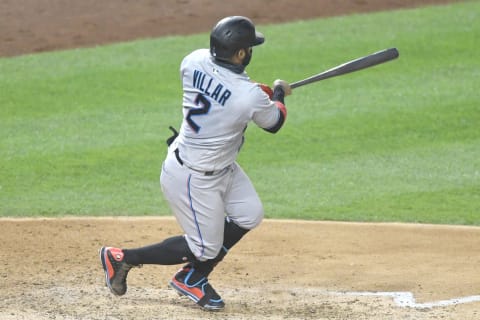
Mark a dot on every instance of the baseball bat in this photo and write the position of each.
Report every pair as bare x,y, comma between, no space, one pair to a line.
351,66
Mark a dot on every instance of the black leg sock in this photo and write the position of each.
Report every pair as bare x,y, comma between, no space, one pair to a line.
171,251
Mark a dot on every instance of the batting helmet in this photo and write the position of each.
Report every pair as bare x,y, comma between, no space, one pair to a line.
231,34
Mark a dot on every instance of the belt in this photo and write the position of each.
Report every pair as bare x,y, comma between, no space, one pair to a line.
205,173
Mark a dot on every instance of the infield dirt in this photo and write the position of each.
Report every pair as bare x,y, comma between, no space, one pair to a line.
49,268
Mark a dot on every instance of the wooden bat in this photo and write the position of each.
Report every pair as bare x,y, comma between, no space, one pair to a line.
351,66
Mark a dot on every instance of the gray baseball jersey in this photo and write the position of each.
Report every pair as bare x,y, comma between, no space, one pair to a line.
200,178
217,106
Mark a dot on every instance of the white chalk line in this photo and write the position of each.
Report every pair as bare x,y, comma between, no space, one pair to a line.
407,300
402,299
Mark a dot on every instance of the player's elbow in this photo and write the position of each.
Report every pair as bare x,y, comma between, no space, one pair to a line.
281,118
275,128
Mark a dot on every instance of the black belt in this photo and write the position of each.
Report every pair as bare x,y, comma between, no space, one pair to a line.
206,173
177,155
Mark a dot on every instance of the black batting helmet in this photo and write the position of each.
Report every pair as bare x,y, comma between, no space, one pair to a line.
231,34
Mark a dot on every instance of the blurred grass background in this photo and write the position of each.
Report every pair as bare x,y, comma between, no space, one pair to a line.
82,132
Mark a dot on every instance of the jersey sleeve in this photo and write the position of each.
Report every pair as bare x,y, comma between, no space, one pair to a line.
269,115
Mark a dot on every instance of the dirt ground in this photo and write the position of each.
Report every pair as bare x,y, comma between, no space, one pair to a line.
49,268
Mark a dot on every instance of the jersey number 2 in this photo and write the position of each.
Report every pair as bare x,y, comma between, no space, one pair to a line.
204,107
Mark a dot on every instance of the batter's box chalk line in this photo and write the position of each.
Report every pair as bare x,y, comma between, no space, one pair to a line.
403,299
407,300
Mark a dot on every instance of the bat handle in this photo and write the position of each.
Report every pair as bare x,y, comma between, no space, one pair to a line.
295,84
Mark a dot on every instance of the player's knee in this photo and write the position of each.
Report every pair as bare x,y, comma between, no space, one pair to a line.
253,219
258,219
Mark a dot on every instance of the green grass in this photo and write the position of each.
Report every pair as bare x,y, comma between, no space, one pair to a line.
82,131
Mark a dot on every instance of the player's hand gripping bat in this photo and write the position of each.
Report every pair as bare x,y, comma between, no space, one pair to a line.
351,66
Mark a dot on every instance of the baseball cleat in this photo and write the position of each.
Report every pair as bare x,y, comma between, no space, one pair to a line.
116,269
200,291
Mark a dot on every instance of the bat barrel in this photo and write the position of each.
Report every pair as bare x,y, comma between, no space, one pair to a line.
351,66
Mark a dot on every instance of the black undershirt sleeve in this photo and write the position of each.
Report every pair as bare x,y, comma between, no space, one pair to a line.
278,95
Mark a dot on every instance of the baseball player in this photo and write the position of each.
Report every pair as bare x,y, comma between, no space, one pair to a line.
210,195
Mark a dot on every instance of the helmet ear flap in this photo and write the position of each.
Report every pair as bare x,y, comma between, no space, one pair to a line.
219,48
218,51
